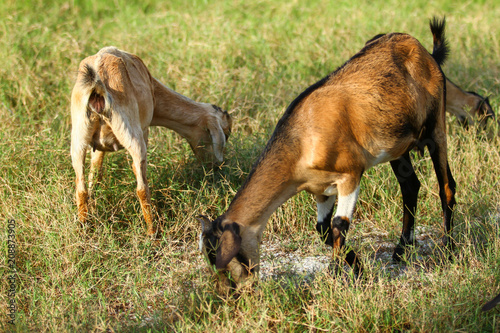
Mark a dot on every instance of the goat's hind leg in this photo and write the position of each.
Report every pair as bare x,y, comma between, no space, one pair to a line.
410,186
78,153
134,139
95,174
138,151
447,186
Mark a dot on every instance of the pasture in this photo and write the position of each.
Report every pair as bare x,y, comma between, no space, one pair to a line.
252,59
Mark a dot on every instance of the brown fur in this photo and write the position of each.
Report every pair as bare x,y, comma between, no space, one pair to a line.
386,100
115,100
468,107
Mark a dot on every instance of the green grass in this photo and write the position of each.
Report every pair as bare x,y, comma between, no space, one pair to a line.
251,58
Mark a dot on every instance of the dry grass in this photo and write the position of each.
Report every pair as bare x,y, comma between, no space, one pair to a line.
251,58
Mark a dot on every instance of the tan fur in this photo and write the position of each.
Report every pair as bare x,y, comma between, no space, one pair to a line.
81,199
376,108
113,108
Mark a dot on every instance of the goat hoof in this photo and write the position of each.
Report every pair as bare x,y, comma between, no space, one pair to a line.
345,263
325,233
352,260
401,254
398,255
402,249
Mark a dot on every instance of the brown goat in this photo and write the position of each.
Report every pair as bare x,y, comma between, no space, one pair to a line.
386,100
467,105
113,103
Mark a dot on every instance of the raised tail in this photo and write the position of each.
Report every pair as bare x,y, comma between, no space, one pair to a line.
441,50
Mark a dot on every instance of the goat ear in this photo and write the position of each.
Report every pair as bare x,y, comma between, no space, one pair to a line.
487,103
206,225
218,141
230,244
227,118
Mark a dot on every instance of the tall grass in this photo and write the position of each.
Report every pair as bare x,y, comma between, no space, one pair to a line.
251,58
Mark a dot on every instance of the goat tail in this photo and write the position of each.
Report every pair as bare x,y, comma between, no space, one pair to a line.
440,50
99,100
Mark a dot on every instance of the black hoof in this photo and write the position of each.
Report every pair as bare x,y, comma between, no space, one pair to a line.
402,249
325,233
399,254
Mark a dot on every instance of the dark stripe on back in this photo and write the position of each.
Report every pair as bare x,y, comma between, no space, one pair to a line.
369,45
374,38
304,94
279,134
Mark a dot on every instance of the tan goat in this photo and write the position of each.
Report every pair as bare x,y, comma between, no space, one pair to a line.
386,100
113,103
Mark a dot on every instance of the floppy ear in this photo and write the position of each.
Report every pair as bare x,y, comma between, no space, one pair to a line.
489,109
230,244
206,226
218,140
227,119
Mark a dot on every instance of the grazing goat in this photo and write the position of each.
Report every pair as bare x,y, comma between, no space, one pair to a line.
113,103
467,105
386,100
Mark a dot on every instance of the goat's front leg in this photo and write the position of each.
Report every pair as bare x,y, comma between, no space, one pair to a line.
95,174
139,165
325,211
348,196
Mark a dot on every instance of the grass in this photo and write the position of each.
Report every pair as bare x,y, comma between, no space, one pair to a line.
251,58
